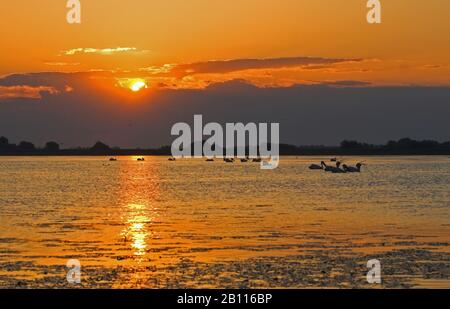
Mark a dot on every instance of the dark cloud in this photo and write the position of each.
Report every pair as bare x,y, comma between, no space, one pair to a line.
346,83
23,91
227,66
50,79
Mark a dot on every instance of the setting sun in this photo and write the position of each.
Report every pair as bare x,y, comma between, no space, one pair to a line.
138,85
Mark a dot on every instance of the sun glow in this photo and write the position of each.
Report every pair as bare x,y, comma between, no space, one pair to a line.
138,85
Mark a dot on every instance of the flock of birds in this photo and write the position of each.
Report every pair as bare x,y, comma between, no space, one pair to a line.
243,160
336,169
228,160
138,159
339,168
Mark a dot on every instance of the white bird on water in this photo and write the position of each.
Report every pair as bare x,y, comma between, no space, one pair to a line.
317,167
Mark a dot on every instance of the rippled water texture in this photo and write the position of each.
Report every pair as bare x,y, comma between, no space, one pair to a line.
192,223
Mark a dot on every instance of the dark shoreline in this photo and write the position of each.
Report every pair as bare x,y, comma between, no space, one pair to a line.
165,154
402,147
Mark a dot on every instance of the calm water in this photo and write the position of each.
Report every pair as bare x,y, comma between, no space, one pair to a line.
192,223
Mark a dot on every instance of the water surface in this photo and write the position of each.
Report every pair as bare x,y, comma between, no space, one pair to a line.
192,223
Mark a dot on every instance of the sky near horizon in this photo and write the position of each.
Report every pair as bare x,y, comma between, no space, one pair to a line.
179,45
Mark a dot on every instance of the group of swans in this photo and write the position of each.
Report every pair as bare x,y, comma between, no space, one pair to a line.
243,160
336,169
113,159
227,160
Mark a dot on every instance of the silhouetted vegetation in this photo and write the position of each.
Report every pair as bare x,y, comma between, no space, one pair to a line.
52,147
100,148
404,146
26,147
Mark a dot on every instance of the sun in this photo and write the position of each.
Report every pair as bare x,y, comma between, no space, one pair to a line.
138,85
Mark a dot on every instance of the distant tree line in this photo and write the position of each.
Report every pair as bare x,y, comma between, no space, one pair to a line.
24,146
54,148
404,143
404,146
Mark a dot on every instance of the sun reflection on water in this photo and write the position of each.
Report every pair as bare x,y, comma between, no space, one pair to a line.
138,189
137,228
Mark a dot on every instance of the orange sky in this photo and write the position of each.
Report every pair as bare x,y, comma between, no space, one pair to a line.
150,39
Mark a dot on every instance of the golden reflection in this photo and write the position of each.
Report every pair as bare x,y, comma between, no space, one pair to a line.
138,191
137,230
